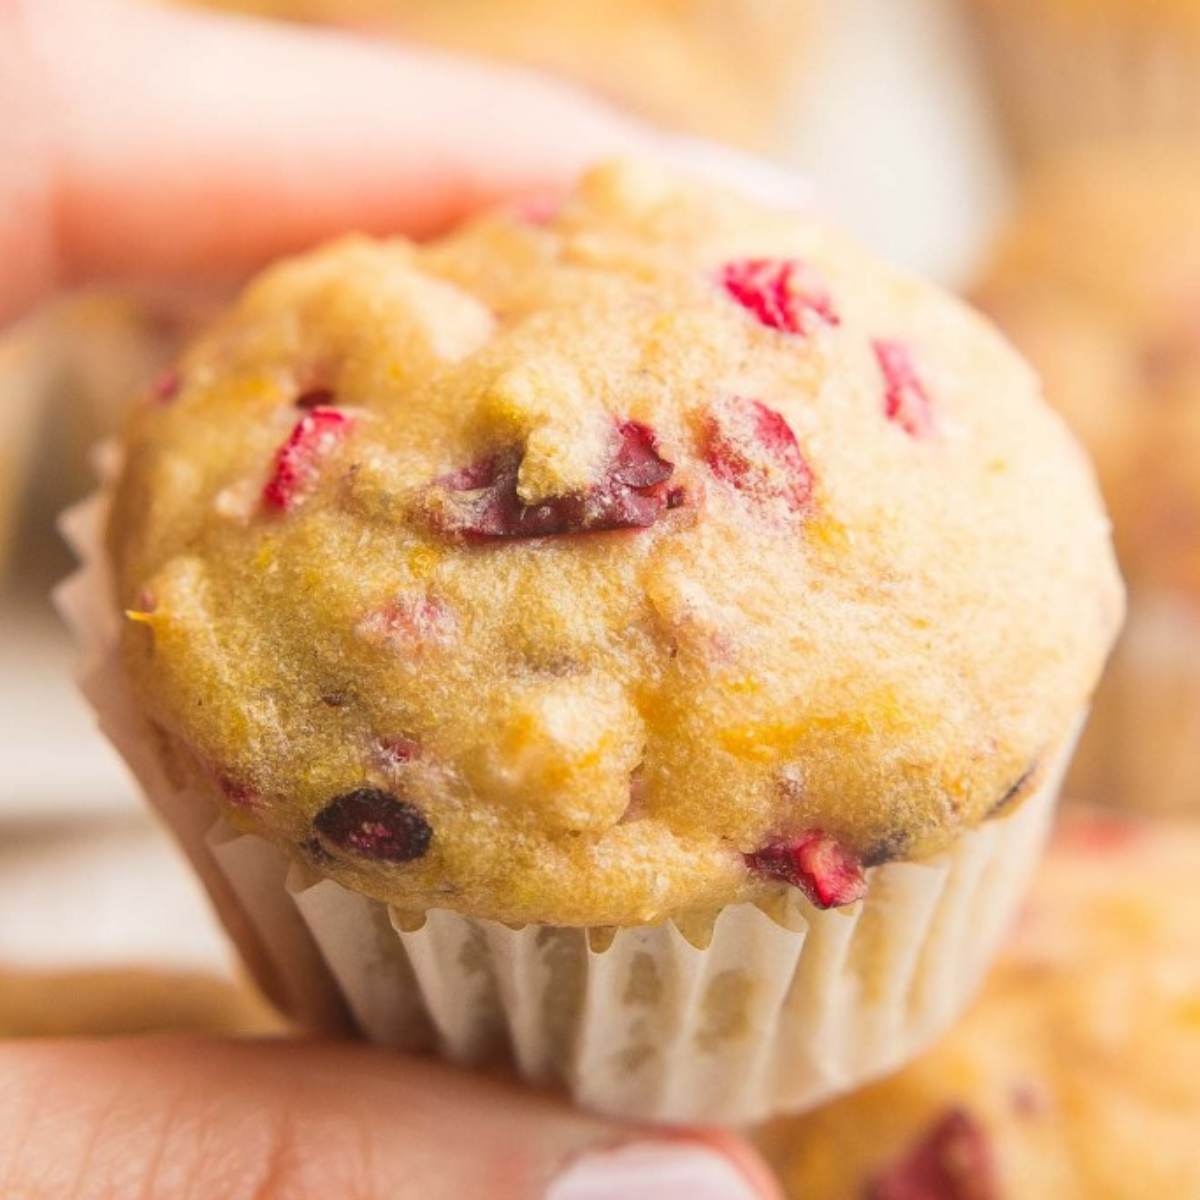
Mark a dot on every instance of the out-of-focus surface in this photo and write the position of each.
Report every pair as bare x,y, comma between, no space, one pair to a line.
114,1002
1077,1074
1074,72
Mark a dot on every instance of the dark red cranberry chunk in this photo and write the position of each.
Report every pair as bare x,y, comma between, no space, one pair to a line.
752,447
371,823
953,1161
782,293
297,467
483,501
828,874
905,400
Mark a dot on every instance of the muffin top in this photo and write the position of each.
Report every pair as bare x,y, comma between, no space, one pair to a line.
1097,280
596,565
1077,1074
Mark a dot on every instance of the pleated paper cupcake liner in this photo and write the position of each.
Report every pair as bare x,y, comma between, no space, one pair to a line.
774,1010
1065,82
756,1010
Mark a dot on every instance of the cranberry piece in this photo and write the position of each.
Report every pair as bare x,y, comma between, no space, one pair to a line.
905,400
371,823
753,448
782,293
393,752
630,494
408,621
297,462
166,387
827,873
953,1161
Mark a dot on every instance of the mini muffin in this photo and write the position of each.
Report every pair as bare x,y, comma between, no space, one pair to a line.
1073,72
722,68
606,596
1097,280
1076,1075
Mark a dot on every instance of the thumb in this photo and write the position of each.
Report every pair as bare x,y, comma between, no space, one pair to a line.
304,1121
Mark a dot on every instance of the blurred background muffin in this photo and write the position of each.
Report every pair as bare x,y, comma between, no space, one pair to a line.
1073,71
1097,280
1077,1074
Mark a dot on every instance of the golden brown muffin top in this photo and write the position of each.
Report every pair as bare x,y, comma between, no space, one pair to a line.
1077,1074
594,566
1097,280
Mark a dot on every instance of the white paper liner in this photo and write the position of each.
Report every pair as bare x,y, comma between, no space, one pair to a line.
1063,81
774,1014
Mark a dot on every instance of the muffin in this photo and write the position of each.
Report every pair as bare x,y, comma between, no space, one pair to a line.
1076,1075
639,627
1073,72
722,68
1097,280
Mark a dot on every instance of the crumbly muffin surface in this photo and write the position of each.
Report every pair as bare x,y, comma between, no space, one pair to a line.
595,565
1077,1074
1097,280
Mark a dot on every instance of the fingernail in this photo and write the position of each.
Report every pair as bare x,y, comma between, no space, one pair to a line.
652,1171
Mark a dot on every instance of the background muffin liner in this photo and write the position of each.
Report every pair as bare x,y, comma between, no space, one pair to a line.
1065,79
762,1009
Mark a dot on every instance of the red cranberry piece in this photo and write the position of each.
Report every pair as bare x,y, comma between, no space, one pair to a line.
827,873
753,448
371,823
630,494
905,400
782,293
297,462
166,387
239,794
409,621
953,1161
395,752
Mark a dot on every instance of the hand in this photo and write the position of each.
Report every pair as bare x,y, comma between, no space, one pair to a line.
176,1119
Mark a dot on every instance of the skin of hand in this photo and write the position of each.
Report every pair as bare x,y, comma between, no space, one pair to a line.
142,143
